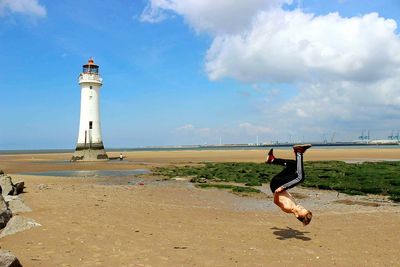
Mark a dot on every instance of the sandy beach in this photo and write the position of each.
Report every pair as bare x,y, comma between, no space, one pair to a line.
145,221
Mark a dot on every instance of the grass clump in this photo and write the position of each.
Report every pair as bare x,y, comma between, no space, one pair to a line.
251,173
355,179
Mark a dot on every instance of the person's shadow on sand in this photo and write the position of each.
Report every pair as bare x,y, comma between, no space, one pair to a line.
284,234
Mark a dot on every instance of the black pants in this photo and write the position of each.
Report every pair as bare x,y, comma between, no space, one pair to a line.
291,175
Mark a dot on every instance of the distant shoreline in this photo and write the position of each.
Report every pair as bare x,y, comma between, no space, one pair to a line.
211,147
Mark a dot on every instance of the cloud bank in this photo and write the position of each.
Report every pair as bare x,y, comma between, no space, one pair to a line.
26,7
346,69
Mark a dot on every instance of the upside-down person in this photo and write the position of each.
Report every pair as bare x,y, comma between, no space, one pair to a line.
290,176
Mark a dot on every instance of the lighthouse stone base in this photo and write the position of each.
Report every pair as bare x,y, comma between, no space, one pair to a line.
89,155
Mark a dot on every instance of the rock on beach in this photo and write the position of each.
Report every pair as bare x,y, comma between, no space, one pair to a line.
18,224
5,213
7,259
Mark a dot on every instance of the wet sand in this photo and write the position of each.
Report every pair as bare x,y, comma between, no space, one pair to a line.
143,159
148,222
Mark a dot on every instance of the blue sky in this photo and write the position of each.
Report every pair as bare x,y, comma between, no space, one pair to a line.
182,72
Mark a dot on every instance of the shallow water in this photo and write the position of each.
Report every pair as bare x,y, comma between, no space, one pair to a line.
93,174
68,162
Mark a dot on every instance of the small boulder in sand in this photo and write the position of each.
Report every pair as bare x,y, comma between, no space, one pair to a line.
7,259
18,188
18,224
16,204
6,185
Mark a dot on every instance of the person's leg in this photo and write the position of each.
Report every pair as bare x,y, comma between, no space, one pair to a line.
289,163
286,175
298,170
277,161
293,174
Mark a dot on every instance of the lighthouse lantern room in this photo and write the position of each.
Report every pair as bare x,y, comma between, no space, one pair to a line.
90,144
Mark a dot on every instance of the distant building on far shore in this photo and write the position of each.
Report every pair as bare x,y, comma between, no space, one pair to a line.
90,144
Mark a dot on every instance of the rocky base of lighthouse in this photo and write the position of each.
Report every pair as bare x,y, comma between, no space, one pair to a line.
89,155
92,154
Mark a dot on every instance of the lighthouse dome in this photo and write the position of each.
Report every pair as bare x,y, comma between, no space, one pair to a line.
90,73
90,67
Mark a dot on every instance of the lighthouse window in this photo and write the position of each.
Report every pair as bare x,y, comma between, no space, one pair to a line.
90,125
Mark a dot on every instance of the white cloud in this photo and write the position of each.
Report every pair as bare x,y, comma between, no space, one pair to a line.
346,69
209,15
283,46
153,12
28,7
345,107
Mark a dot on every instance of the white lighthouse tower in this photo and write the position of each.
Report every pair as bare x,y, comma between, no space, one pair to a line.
90,144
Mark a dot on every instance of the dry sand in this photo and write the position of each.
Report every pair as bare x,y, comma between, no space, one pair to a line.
98,222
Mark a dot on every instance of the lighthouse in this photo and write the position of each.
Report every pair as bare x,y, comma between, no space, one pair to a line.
90,144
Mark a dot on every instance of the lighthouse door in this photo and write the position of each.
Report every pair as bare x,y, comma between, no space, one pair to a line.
90,133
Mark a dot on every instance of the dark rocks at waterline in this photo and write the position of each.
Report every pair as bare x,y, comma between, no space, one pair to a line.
7,259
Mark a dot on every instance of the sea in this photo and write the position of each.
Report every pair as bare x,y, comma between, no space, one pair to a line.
200,148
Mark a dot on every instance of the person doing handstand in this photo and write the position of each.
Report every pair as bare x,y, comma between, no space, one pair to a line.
290,176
